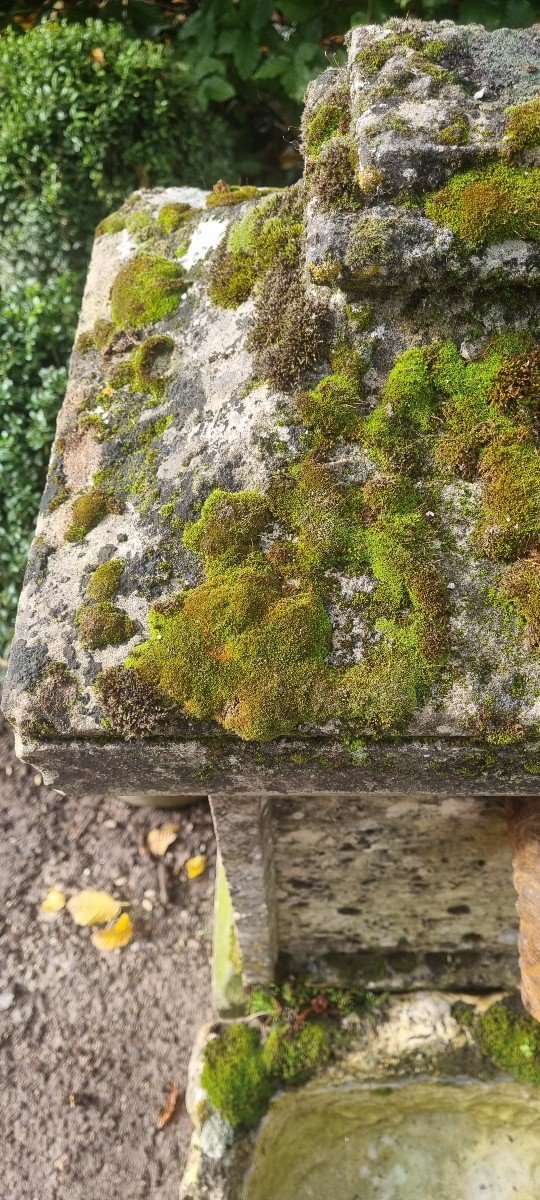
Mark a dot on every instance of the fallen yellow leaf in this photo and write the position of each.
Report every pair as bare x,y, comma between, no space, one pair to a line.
169,1107
116,936
196,866
93,908
54,901
98,55
161,838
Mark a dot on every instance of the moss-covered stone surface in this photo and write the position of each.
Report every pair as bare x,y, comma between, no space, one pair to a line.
307,425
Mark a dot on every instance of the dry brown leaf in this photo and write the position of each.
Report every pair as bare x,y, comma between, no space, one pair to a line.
98,55
169,1107
162,837
116,936
54,902
195,866
93,908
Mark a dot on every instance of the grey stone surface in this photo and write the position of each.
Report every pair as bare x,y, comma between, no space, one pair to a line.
227,428
396,893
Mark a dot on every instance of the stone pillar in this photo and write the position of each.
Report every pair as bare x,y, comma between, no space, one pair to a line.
244,835
525,840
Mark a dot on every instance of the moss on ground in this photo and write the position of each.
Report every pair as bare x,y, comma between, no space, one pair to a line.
172,216
489,204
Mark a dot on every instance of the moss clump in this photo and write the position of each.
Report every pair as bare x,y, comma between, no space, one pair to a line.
333,176
103,624
521,583
395,430
291,330
172,216
523,126
374,56
330,409
96,338
229,527
326,274
85,342
508,1037
104,581
87,511
510,521
114,223
234,1075
150,364
51,702
225,194
489,205
146,290
330,119
132,708
292,1057
267,234
457,133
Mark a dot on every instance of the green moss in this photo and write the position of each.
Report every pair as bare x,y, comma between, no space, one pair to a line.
102,332
333,175
121,374
268,233
150,364
146,290
330,409
394,431
523,126
172,216
85,342
489,205
510,521
229,526
508,1037
376,54
104,581
131,707
329,119
326,274
103,624
234,1075
457,133
291,1057
114,223
87,511
521,583
225,194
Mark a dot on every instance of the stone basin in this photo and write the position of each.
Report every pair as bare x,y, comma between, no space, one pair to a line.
438,1141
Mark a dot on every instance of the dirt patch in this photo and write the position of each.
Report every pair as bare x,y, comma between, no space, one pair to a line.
89,1042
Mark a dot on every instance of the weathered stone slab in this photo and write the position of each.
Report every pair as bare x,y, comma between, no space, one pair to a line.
290,536
396,893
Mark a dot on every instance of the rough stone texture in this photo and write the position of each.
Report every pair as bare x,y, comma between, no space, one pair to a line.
246,846
525,839
372,892
413,1036
395,893
407,84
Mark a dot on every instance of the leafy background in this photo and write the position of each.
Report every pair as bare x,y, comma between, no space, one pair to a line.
98,98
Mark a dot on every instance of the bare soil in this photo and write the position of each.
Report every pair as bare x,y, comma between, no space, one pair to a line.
89,1042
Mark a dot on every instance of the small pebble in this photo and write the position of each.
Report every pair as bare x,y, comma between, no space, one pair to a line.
9,769
38,780
147,905
6,1000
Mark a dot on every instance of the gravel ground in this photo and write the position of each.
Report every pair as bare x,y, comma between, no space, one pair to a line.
89,1042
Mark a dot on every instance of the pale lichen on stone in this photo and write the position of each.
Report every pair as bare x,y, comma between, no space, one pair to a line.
306,424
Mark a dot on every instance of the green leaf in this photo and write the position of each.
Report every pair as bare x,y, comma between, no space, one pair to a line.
217,88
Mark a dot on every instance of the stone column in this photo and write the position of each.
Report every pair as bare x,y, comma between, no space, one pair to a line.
524,819
243,826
